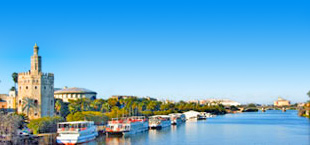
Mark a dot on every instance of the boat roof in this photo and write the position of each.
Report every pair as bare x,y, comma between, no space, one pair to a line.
75,122
161,116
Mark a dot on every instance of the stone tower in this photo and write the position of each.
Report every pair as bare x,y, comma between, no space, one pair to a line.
36,90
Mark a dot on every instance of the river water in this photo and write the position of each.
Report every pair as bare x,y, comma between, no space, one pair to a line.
272,127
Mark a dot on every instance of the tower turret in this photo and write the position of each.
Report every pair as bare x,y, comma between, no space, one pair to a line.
35,49
35,60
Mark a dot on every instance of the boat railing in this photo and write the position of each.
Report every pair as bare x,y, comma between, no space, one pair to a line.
73,127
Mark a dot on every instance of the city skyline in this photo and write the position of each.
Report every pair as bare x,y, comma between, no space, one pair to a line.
243,51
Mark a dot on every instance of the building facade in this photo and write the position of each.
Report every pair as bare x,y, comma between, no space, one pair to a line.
3,102
35,90
67,94
11,100
281,102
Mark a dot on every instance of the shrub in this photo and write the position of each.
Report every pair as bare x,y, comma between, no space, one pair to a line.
96,116
45,124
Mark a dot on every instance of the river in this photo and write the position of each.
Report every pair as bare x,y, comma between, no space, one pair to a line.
272,127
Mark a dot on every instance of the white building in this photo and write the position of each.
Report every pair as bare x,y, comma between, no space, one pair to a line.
67,94
225,102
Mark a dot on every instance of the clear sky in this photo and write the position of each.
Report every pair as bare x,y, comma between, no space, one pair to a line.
246,50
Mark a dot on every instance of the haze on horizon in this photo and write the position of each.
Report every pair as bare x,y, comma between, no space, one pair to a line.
247,51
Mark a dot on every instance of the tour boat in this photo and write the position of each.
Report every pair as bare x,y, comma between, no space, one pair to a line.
177,118
127,126
76,132
159,121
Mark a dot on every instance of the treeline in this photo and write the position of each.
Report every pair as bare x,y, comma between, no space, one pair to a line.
113,108
101,110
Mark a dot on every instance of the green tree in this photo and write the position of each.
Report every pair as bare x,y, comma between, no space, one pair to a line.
45,124
96,116
28,104
252,105
112,102
15,78
61,108
308,94
96,105
105,107
13,89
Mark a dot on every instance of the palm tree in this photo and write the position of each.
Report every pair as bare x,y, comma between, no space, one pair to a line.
58,107
95,105
28,104
85,104
15,78
105,107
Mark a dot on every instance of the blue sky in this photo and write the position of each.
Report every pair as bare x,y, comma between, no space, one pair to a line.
248,51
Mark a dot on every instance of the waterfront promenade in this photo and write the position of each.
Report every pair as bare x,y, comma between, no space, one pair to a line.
253,128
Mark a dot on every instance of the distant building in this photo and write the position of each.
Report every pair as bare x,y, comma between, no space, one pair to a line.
150,98
3,103
38,87
281,102
67,94
8,102
11,100
122,97
167,101
225,102
193,101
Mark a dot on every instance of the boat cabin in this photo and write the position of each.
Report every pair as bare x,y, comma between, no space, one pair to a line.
74,126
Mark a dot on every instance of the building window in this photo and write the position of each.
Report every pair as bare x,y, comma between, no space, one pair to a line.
20,102
26,87
93,98
35,87
36,102
20,87
35,114
44,87
52,102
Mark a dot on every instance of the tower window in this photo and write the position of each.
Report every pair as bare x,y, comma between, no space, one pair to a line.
44,88
20,102
35,102
26,87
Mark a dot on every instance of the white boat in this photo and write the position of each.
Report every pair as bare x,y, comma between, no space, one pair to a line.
191,115
159,121
127,126
76,132
177,118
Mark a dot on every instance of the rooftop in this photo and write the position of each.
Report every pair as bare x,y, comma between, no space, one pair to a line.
74,91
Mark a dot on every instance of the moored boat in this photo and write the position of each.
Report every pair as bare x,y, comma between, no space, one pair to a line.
177,118
159,121
127,126
76,132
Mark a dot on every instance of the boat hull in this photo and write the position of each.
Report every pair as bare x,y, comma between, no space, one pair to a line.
160,125
68,140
